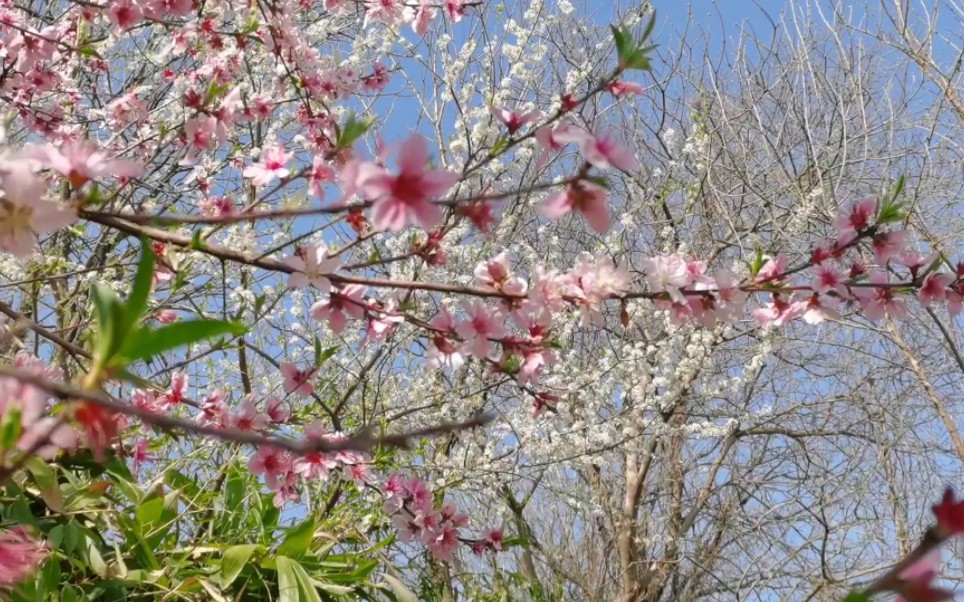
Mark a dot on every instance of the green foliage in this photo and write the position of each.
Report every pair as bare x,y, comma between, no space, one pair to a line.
353,129
121,338
183,537
633,54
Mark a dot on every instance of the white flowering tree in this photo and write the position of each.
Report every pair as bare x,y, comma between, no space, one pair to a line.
452,300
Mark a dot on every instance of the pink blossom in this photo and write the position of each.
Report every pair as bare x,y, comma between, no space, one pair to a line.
321,172
398,199
819,308
495,274
421,17
147,401
546,295
24,213
124,14
668,273
773,270
620,88
533,364
359,474
277,411
482,324
178,390
408,529
20,555
141,454
214,412
340,306
272,462
454,10
829,278
515,121
593,280
915,261
127,108
311,266
856,219
248,418
887,245
418,494
585,197
551,139
917,580
199,132
271,166
165,316
384,11
81,160
601,150
444,544
382,319
444,351
778,313
878,301
297,381
495,539
934,288
218,206
479,213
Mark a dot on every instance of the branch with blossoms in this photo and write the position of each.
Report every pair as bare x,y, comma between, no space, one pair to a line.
912,578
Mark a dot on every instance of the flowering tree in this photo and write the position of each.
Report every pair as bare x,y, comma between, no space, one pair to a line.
438,300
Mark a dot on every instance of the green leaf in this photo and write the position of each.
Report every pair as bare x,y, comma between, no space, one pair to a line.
196,243
146,342
110,320
141,291
46,480
10,427
499,146
757,263
234,560
298,539
294,584
402,593
639,60
322,356
353,129
624,42
149,513
94,559
889,212
857,597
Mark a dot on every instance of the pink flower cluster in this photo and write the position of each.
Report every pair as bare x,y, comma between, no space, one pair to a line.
20,555
411,505
281,469
37,426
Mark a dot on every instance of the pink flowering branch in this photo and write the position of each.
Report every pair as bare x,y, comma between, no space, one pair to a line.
359,442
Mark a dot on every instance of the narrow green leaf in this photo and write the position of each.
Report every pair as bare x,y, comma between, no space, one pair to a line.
401,591
146,342
322,356
649,27
46,480
298,539
234,560
196,243
10,427
294,585
110,320
353,129
857,597
141,291
623,41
